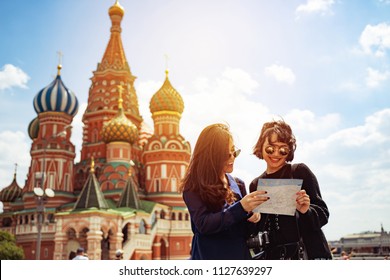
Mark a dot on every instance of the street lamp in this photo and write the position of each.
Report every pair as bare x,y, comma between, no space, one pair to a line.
41,196
42,193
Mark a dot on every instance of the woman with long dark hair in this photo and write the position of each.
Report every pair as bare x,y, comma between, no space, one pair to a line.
220,210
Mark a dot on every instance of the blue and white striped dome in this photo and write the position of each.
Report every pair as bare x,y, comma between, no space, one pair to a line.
56,97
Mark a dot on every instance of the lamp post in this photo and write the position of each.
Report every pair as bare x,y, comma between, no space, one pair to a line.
42,193
41,196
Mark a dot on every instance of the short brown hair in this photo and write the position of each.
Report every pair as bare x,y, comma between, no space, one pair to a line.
284,134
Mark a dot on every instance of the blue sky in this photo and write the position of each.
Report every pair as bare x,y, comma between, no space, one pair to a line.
322,65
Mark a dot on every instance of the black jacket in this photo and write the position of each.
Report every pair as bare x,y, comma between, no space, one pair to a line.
306,226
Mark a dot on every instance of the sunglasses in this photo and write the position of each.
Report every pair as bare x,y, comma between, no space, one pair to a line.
283,151
235,153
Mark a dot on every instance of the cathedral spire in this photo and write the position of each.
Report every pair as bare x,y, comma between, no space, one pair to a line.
114,57
91,195
59,67
129,197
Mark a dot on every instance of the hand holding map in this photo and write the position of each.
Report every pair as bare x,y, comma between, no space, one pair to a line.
282,194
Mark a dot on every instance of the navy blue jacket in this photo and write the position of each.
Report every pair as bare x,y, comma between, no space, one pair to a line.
218,235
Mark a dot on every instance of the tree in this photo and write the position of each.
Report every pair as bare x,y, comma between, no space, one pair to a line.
8,248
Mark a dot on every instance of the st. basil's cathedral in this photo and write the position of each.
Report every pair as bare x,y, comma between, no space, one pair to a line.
124,193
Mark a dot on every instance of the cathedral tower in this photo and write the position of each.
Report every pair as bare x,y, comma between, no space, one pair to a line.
124,192
167,154
111,72
52,153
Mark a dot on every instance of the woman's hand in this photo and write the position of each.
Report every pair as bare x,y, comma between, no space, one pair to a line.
303,201
252,200
255,218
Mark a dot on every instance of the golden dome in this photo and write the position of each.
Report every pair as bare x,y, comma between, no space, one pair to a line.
166,99
120,128
116,9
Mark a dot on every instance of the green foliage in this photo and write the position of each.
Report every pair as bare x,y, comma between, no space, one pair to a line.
8,248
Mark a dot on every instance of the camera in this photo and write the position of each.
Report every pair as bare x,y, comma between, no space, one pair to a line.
257,244
258,241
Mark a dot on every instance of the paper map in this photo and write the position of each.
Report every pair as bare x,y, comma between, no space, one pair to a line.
282,194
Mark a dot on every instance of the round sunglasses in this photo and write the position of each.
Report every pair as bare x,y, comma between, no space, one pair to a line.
283,151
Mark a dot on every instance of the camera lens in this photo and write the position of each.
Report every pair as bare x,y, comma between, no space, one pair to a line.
258,241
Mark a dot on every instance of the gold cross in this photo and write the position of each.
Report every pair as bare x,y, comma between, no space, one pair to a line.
60,55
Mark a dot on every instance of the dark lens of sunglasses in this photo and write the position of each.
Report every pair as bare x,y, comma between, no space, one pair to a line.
236,153
283,151
270,150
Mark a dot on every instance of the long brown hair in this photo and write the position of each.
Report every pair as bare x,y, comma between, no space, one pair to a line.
206,166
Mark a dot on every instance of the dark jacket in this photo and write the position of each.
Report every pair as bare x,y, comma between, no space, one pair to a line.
218,235
306,226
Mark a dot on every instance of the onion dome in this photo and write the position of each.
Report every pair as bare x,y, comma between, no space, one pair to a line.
12,192
33,128
56,97
116,9
120,128
166,99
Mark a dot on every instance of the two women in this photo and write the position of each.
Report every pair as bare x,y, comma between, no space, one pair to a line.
221,211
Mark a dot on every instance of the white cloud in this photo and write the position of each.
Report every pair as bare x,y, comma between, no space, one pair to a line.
315,6
307,124
355,150
77,130
352,167
14,148
375,78
349,86
145,92
224,99
242,81
12,76
375,39
280,73
367,143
